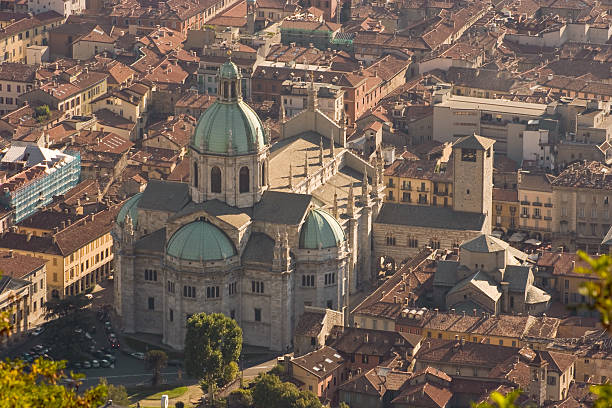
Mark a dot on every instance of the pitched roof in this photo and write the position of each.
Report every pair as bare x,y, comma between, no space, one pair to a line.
282,208
167,196
18,265
429,217
473,142
320,363
485,244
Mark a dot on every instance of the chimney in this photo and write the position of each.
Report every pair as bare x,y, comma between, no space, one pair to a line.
436,311
452,311
474,310
394,299
28,237
10,254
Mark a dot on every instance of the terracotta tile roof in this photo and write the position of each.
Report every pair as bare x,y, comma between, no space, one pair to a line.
441,351
561,263
310,324
507,195
320,363
559,362
109,118
180,172
352,340
167,72
424,395
177,129
10,71
18,266
592,175
193,100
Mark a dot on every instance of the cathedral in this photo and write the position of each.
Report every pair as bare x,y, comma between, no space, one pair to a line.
260,231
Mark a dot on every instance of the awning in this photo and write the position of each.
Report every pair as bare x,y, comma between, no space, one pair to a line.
497,233
517,237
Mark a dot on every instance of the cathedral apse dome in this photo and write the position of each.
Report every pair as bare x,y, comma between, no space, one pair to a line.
320,230
200,241
229,125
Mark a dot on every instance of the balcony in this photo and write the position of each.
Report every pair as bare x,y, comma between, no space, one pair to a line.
524,215
548,218
549,205
537,204
537,217
441,193
406,187
422,190
525,203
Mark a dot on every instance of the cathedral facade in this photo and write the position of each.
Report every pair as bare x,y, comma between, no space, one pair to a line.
260,231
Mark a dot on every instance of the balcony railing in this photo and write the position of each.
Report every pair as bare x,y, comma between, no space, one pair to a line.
549,205
524,202
407,187
422,190
440,193
524,215
537,217
547,218
537,204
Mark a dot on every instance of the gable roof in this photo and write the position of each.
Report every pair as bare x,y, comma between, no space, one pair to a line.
485,244
429,217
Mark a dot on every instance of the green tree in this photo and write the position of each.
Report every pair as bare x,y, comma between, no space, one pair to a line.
241,398
116,393
270,392
212,347
343,405
156,360
40,385
500,401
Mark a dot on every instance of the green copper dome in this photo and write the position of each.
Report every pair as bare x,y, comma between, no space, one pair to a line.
320,230
229,70
130,207
200,241
222,119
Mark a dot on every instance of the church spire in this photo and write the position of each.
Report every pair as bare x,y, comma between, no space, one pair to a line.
365,196
335,209
313,102
350,205
321,151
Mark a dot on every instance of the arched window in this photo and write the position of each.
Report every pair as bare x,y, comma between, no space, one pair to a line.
215,180
244,179
263,174
55,293
233,89
225,89
195,176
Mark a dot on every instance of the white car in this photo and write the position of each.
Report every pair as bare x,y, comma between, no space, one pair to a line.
95,364
138,355
38,331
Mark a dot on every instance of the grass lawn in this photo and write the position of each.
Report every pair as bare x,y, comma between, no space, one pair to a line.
171,393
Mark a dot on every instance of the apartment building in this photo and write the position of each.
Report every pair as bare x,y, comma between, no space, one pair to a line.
63,7
19,35
505,209
535,194
501,120
421,182
15,79
294,97
32,175
71,92
78,253
581,197
23,291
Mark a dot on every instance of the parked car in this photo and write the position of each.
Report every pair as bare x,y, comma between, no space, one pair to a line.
109,357
38,331
86,364
95,363
76,365
78,330
38,348
88,336
105,363
91,348
138,355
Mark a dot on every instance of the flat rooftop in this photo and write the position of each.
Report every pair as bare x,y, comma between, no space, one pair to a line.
493,105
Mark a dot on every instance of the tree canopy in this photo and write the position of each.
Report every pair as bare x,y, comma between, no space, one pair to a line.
156,360
269,391
212,347
40,385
